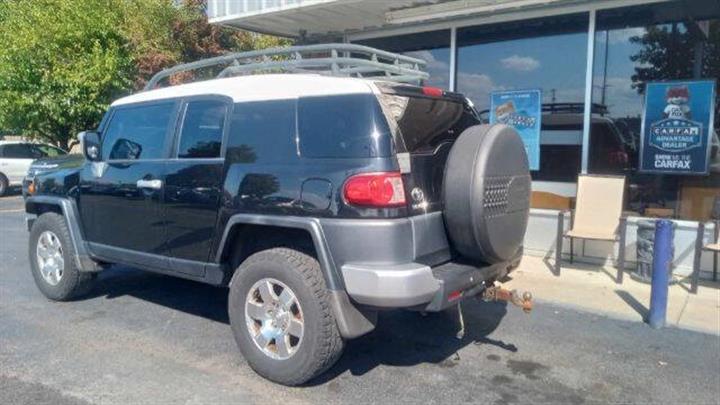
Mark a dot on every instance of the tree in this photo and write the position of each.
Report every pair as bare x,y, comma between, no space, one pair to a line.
668,53
63,61
163,35
60,63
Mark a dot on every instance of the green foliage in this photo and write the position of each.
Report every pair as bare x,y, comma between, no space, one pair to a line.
668,53
60,63
63,61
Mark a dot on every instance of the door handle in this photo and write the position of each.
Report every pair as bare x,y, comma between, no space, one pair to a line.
152,184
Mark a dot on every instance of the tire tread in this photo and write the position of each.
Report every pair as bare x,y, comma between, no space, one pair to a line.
331,342
80,283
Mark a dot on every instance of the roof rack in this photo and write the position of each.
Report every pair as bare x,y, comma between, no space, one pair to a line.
349,60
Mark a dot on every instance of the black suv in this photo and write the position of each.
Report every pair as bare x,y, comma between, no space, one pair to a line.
317,200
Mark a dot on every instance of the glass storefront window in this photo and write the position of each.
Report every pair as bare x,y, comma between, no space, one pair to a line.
432,47
549,54
636,45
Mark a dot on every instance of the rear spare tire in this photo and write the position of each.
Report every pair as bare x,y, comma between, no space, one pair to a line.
487,193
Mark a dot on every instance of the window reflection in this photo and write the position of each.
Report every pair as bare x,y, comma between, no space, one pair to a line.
202,129
643,44
137,132
549,54
432,47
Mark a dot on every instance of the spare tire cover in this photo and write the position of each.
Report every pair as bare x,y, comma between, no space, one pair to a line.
486,191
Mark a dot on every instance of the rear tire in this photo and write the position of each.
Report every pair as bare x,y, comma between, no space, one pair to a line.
4,184
52,264
300,358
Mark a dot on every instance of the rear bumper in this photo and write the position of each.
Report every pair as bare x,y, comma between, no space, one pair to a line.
404,262
418,286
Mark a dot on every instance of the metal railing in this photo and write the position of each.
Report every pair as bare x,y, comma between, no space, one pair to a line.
224,8
348,60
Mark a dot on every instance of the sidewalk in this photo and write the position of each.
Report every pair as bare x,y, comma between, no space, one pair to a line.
593,288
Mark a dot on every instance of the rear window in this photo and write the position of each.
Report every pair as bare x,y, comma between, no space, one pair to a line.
345,126
424,123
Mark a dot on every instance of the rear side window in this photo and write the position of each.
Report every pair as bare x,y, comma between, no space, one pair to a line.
262,132
19,151
345,126
137,132
202,129
424,123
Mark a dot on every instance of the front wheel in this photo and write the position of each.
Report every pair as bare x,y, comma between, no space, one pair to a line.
281,317
51,261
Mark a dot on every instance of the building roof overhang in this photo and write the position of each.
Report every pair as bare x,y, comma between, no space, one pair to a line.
323,18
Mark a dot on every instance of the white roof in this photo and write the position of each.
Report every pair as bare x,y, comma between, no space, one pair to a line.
258,88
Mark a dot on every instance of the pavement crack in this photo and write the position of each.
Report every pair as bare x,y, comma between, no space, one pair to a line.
682,310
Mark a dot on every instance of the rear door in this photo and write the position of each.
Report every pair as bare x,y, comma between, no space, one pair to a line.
193,184
425,126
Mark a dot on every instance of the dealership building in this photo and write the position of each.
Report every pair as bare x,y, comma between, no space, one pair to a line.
592,61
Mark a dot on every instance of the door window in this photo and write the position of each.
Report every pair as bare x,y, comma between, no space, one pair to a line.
137,132
202,129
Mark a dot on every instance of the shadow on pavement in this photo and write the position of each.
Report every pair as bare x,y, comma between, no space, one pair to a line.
406,338
402,338
183,295
636,305
12,191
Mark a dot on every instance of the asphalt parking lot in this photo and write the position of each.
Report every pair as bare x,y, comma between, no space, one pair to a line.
145,338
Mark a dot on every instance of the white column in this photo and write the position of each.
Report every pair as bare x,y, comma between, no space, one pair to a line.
453,58
587,123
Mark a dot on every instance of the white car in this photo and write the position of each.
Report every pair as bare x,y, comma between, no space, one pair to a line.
16,158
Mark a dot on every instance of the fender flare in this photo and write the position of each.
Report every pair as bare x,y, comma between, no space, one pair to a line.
311,225
69,211
352,322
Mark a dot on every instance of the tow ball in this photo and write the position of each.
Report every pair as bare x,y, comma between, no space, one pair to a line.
496,293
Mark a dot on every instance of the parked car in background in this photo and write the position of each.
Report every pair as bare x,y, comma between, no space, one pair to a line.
16,158
50,163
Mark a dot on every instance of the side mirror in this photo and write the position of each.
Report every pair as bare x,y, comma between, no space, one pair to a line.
90,143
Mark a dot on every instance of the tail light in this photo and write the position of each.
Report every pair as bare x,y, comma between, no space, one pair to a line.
375,190
432,91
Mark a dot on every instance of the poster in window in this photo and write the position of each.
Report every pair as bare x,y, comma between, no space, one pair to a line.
677,126
520,109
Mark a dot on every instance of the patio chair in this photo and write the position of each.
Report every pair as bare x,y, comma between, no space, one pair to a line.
597,216
713,247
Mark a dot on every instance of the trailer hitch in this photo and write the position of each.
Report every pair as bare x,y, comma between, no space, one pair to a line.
496,293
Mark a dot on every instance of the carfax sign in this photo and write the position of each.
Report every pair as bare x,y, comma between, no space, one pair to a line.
676,127
521,110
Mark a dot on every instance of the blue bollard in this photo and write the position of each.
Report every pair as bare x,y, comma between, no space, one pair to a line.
662,257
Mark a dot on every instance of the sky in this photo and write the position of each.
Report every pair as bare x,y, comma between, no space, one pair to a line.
552,62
